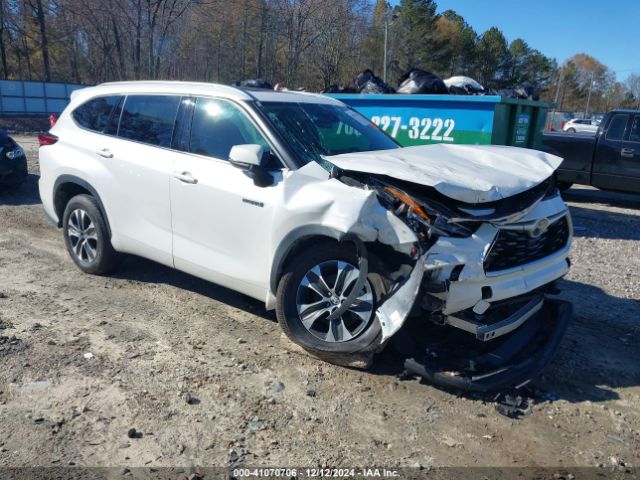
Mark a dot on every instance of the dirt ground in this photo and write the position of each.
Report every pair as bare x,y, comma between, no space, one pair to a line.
200,372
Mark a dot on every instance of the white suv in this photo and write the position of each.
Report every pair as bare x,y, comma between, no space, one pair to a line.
578,125
299,201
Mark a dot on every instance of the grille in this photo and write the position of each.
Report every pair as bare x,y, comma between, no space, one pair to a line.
512,248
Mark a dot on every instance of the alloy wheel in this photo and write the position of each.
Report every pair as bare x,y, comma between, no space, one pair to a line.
322,290
83,236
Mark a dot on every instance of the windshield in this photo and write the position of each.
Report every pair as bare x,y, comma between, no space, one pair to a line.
316,130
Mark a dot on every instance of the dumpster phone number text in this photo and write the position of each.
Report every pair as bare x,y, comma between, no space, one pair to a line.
437,129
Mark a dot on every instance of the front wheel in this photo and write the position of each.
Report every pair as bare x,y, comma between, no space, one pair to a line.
313,286
86,236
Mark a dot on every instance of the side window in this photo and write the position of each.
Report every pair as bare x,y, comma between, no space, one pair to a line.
183,124
94,114
635,130
112,127
617,127
218,125
149,119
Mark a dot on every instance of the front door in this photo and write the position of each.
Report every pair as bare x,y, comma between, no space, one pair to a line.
630,159
607,160
221,220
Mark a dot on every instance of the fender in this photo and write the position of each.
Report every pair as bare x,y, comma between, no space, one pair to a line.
63,179
287,244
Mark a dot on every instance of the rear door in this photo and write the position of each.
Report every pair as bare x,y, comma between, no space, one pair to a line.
590,126
608,171
139,162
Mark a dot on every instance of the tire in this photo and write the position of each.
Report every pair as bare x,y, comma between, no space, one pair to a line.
87,237
571,130
352,334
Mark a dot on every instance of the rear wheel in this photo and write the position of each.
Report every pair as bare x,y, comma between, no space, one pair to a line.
86,236
313,286
571,130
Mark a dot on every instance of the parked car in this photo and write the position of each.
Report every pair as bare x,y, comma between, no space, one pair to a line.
13,162
577,125
302,203
610,160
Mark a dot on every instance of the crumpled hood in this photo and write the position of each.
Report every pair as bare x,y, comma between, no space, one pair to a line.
468,173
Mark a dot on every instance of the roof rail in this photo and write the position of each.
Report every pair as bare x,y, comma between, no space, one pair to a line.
245,91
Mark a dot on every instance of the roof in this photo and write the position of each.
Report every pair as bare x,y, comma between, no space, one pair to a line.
201,88
624,110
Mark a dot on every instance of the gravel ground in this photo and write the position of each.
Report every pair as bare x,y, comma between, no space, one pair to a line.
200,372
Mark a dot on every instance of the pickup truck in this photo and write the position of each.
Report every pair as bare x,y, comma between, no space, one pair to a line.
610,160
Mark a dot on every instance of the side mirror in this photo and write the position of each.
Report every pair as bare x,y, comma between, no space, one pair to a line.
249,158
246,157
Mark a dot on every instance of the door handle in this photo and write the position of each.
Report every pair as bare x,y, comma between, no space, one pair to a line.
105,152
185,177
627,152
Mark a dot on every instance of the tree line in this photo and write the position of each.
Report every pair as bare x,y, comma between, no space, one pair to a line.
308,44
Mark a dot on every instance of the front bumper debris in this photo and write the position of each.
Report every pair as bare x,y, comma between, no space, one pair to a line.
512,361
487,331
455,267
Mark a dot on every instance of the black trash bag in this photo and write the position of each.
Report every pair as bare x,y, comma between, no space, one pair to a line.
367,82
528,92
461,85
362,78
339,89
507,93
376,85
254,83
417,81
522,92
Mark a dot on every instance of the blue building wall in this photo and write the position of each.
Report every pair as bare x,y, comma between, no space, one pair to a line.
20,98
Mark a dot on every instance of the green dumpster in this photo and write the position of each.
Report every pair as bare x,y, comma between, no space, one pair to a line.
477,120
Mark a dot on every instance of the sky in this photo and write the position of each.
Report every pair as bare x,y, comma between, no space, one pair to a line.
606,30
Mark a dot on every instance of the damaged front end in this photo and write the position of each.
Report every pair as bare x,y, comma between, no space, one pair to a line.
482,278
509,361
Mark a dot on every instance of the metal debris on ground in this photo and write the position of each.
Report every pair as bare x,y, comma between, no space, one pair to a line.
512,406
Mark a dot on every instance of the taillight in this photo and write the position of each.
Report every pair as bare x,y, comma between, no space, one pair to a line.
47,139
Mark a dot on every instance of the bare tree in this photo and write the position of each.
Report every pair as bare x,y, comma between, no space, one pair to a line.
301,43
3,50
39,13
633,87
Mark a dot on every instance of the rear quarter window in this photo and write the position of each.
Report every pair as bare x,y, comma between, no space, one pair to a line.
94,114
